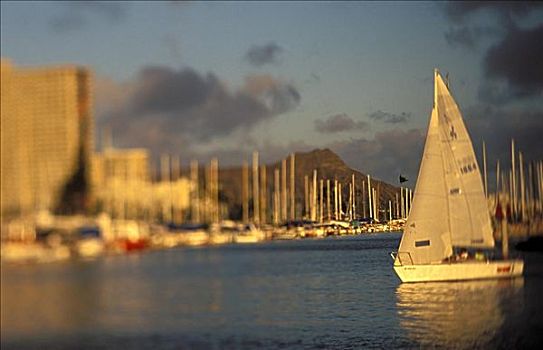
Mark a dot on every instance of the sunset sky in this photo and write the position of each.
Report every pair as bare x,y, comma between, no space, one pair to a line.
202,79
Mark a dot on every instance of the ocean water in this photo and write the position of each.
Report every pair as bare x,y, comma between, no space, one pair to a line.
333,293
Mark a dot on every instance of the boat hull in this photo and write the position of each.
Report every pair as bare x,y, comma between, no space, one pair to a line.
460,271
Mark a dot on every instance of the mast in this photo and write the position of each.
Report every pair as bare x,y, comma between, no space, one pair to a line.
292,188
256,204
363,187
369,197
340,202
522,189
321,199
426,238
350,201
350,210
206,213
263,194
215,187
276,196
402,203
284,190
354,197
314,197
328,199
530,190
335,200
245,191
195,211
389,210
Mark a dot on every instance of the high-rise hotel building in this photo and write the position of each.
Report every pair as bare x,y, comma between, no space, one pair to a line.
46,134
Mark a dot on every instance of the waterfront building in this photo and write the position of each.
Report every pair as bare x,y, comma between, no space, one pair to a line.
120,177
126,165
123,188
46,134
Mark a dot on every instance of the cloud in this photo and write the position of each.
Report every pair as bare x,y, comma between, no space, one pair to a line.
165,109
390,117
339,123
259,55
386,155
497,126
512,64
77,14
517,61
278,97
466,36
464,30
460,11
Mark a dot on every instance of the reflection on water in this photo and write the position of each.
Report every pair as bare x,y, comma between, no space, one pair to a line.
332,294
458,314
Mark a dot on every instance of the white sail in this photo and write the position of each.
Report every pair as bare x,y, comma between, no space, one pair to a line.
469,219
426,237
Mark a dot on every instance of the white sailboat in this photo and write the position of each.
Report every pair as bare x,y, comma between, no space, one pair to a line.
449,208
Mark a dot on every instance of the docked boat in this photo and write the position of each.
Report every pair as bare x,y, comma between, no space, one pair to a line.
190,234
449,209
222,233
89,243
129,235
249,234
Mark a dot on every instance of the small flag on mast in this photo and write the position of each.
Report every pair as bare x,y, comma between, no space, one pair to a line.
403,179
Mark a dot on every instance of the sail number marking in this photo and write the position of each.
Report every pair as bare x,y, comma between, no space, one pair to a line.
424,243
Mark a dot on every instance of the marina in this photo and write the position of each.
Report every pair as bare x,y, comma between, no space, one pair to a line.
68,238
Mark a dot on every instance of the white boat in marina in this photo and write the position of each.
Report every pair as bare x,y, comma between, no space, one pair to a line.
89,247
249,234
21,252
285,233
128,235
196,238
90,243
449,208
222,233
190,234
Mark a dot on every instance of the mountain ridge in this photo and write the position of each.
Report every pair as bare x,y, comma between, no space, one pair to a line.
329,166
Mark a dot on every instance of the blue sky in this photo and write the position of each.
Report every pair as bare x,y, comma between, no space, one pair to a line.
356,60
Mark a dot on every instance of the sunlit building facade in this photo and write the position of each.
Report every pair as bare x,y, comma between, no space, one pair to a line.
46,134
119,179
123,188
